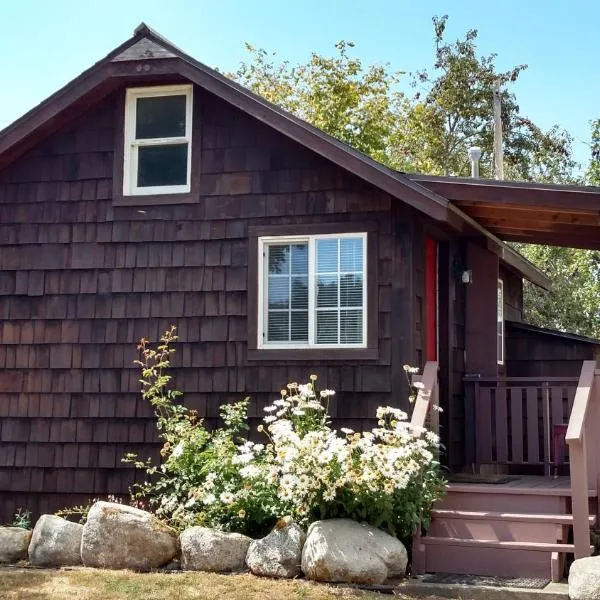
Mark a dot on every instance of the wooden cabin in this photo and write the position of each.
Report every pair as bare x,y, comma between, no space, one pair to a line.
153,191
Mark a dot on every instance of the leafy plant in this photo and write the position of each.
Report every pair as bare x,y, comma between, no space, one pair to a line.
195,460
388,476
22,519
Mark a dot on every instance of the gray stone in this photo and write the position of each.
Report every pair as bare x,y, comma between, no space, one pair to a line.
116,536
278,554
13,544
204,549
584,579
55,542
343,550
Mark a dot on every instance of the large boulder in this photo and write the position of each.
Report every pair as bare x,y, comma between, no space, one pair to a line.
204,549
13,544
55,542
584,579
347,551
278,554
123,537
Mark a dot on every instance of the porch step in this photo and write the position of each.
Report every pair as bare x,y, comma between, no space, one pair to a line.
559,519
491,557
501,527
482,488
533,546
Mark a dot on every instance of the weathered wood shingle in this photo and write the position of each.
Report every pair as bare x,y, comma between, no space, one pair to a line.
81,281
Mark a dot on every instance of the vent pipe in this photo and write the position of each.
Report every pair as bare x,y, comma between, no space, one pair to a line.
474,156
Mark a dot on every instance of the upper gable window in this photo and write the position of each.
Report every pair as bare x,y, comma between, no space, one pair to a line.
158,136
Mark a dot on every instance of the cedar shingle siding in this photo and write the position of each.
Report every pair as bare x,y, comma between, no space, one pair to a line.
81,281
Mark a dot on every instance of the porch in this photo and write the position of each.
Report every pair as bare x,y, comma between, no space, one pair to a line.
529,498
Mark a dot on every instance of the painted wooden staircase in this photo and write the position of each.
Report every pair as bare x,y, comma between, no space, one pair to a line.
522,528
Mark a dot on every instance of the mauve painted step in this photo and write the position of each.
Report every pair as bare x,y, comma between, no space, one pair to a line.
500,502
560,519
497,530
498,526
462,557
513,529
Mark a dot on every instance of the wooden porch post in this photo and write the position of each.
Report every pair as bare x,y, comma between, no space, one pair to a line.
583,420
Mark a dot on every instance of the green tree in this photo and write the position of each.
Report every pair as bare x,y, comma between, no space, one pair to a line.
356,104
574,301
428,130
425,122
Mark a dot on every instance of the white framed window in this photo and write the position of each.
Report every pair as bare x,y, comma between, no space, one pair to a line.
312,291
158,140
500,322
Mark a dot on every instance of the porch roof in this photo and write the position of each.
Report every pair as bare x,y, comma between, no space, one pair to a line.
559,215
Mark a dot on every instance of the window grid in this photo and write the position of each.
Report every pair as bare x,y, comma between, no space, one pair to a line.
339,274
290,277
133,144
264,244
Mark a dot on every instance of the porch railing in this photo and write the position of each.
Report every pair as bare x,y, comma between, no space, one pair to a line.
512,420
583,438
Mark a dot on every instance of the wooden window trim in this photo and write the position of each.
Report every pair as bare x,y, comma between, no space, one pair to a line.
371,352
191,197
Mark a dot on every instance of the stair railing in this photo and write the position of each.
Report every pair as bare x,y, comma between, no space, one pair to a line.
427,397
422,416
583,438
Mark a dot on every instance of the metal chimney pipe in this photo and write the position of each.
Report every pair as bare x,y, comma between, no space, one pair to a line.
474,156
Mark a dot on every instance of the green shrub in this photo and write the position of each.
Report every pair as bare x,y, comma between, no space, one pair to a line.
388,477
196,459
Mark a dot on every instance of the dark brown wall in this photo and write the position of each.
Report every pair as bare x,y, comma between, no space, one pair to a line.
81,281
451,329
481,313
532,353
513,294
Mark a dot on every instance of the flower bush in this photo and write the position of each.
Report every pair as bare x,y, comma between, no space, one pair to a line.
388,477
198,481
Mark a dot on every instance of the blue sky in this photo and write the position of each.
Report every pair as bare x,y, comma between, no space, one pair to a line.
44,44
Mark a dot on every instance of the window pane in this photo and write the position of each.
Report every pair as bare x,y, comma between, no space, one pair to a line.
300,259
279,326
351,290
162,165
279,259
299,292
327,327
351,254
160,117
351,323
299,331
279,292
327,256
327,291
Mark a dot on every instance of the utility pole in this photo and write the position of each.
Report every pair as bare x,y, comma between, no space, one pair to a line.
498,151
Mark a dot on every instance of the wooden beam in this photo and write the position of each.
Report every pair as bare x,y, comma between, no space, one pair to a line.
458,189
538,215
552,239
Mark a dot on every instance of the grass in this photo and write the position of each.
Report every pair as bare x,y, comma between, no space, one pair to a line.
98,584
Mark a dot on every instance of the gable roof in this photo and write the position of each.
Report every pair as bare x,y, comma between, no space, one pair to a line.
157,52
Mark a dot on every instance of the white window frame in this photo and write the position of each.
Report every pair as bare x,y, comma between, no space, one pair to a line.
132,145
500,321
263,242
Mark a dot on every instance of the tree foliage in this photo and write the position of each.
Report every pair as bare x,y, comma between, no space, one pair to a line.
572,304
426,121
